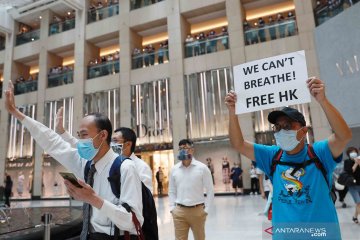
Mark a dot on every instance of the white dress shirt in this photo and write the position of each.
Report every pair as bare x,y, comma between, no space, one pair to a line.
187,185
142,168
111,211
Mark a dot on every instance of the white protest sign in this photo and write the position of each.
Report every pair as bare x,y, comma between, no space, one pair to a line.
271,82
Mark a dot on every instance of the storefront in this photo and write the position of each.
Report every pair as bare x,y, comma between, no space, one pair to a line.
151,119
20,155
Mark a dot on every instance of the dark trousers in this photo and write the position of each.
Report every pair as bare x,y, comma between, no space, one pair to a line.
342,194
254,185
7,197
103,236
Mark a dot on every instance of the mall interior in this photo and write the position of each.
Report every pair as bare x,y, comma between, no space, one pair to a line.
163,68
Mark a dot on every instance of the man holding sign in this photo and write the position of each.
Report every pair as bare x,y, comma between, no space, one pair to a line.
300,173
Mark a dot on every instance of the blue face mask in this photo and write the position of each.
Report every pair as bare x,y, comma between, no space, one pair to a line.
184,155
116,147
286,139
86,148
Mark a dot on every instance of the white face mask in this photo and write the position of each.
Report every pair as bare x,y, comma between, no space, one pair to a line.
286,139
353,155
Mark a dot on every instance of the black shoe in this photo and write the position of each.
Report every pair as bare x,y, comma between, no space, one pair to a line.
344,205
355,220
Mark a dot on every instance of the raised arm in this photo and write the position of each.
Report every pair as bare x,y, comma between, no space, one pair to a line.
59,128
341,132
236,137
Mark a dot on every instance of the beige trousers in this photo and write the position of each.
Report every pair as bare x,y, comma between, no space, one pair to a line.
186,218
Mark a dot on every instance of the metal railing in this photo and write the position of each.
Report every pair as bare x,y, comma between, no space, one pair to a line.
270,32
27,37
135,4
25,87
63,26
205,46
103,69
59,79
149,59
102,13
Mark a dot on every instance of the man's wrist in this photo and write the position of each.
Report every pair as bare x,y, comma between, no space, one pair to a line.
96,201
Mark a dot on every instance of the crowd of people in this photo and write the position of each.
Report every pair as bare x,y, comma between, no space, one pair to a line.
148,55
23,85
105,65
97,10
325,9
203,43
60,75
277,27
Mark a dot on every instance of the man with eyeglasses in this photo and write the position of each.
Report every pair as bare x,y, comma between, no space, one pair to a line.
301,196
102,209
188,206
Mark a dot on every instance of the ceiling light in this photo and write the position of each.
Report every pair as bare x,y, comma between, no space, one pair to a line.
68,13
40,17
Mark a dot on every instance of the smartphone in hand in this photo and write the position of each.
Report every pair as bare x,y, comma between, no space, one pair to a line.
71,178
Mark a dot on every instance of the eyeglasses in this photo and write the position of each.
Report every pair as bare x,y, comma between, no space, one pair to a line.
277,127
184,148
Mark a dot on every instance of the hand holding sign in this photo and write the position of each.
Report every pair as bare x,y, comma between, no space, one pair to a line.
317,88
230,100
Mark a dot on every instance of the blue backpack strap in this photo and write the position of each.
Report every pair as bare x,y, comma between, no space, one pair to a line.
115,175
86,170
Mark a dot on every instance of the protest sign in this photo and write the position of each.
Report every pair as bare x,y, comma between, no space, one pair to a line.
271,82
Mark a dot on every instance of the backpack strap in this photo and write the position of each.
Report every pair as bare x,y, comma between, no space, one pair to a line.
275,161
315,159
136,222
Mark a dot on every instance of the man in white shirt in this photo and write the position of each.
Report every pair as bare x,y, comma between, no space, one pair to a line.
104,209
127,138
188,180
123,136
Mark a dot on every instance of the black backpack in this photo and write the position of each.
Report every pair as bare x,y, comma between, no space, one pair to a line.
149,227
313,160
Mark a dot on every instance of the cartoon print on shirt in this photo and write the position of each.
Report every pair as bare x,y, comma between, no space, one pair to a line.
294,187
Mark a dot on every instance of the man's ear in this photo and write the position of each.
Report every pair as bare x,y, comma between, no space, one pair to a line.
302,132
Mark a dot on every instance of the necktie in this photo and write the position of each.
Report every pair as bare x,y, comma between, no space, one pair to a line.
86,206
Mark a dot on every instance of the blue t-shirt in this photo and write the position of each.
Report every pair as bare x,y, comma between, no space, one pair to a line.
301,199
236,172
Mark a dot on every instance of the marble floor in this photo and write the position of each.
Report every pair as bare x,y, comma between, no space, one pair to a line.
230,218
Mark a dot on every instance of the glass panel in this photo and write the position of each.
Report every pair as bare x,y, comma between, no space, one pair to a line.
149,58
60,79
206,113
63,26
52,182
105,102
135,4
2,43
97,14
150,111
270,31
209,45
1,88
103,69
25,87
20,154
327,9
27,37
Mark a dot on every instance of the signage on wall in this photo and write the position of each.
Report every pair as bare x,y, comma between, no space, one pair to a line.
147,131
271,82
20,163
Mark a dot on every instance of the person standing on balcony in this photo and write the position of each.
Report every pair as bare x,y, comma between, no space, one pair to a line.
272,29
290,24
261,31
281,25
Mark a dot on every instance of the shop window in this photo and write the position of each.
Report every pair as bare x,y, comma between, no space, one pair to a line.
206,112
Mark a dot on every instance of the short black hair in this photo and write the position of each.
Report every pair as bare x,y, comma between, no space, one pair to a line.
102,122
186,141
351,149
129,135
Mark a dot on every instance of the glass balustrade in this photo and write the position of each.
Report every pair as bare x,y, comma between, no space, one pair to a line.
59,79
141,60
102,13
63,26
205,46
25,87
103,69
27,37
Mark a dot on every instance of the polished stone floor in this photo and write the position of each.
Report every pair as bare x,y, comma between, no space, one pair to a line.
230,218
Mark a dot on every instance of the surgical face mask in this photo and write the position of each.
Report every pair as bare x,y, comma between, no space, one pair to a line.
116,147
184,155
353,155
86,148
286,139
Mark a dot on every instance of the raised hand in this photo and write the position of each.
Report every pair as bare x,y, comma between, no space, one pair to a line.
59,125
230,100
316,88
10,102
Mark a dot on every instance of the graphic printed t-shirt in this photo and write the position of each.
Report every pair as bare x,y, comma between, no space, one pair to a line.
302,198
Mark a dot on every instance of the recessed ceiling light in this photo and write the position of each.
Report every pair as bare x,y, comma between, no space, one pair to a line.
40,17
68,13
